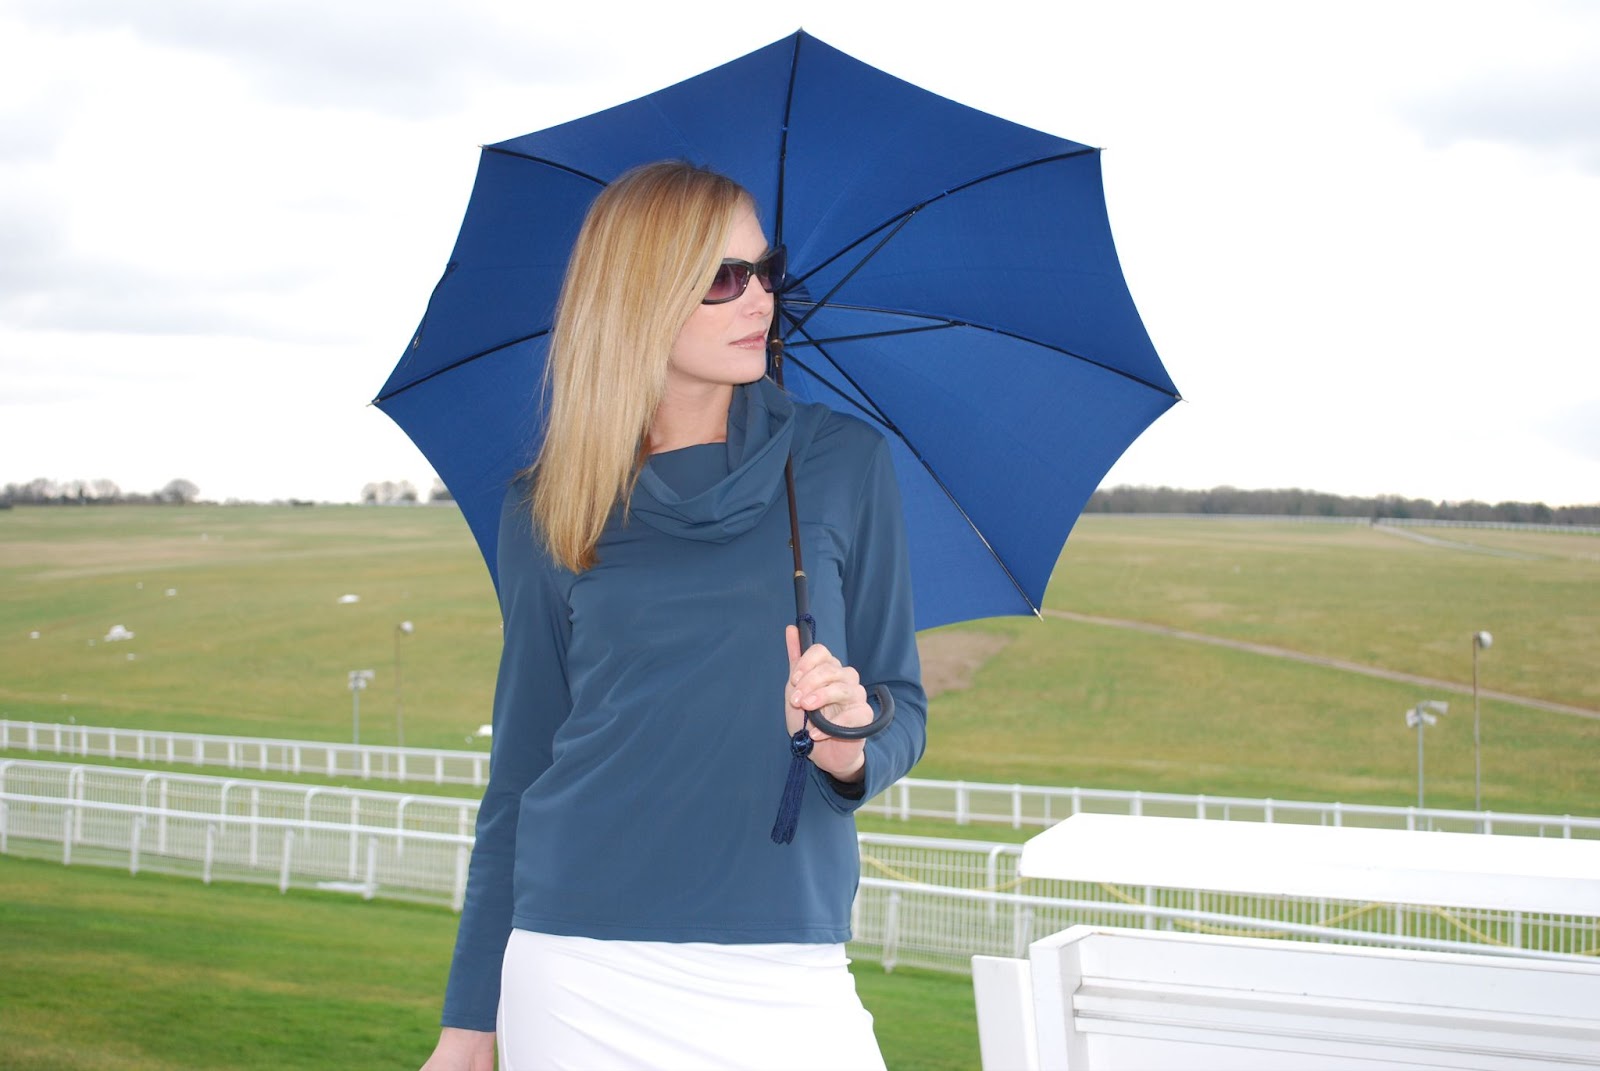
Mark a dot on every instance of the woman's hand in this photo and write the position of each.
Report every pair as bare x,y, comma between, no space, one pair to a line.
818,681
462,1050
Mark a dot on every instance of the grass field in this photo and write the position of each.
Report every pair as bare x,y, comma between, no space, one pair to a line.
253,640
238,628
107,972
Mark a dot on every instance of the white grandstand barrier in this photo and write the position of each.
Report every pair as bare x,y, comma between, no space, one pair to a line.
1115,998
965,802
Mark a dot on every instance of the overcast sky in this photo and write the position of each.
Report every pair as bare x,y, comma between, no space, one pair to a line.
1365,236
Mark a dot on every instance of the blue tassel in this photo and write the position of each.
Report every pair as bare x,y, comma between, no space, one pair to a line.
794,787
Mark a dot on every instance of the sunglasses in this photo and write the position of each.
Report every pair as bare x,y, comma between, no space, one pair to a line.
733,276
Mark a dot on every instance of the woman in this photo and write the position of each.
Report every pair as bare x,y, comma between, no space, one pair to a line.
626,904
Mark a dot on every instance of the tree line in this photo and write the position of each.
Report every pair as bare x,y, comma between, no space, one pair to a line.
1294,502
46,492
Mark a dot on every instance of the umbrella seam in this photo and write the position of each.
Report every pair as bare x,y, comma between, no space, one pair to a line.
453,365
884,419
547,162
899,219
946,323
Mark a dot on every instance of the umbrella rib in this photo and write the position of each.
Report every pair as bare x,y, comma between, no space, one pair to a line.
901,218
942,324
547,162
889,425
453,365
783,139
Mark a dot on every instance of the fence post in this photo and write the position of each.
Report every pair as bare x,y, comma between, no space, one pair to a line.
961,803
285,865
355,826
255,826
211,852
458,892
891,931
133,846
75,791
66,836
1021,930
1016,806
370,887
991,874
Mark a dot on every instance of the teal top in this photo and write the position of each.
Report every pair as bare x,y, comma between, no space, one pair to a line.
639,745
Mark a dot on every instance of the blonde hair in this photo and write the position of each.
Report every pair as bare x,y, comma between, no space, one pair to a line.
643,259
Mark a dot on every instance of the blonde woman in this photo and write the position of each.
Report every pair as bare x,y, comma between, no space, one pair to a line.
627,905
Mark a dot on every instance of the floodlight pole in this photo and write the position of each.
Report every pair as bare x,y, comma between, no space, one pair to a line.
1480,642
1419,718
358,683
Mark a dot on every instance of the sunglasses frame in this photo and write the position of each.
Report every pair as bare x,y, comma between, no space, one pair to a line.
776,256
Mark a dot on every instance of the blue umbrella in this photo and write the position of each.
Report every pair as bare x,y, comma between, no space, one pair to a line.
952,280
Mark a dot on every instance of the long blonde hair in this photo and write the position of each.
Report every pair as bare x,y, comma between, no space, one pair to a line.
643,259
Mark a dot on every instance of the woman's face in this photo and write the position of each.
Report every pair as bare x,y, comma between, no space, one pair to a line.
724,345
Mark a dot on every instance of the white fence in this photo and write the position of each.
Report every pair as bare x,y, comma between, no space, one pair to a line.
259,754
963,802
924,902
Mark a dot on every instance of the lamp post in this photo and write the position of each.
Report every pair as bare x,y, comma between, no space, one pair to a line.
404,628
359,678
1481,641
1419,718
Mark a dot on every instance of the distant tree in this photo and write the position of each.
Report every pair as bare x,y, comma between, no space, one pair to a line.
388,493
440,493
179,492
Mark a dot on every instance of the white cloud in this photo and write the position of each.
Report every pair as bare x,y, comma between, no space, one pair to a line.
1361,234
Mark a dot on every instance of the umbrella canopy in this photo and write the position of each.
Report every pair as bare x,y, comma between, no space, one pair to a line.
952,281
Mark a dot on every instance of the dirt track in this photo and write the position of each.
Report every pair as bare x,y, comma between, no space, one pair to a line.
1318,660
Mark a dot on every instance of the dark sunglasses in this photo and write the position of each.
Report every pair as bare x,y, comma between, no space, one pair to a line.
734,275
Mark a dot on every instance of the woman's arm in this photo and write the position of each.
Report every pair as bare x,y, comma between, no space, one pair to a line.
462,1050
531,702
880,631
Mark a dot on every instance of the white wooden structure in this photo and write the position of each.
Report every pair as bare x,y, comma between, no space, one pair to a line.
1093,998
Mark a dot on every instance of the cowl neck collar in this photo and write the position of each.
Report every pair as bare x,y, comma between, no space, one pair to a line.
761,434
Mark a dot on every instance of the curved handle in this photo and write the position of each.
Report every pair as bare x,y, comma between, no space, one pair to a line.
878,724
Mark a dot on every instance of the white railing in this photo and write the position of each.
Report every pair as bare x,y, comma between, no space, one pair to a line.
370,860
260,754
930,902
1025,806
962,802
933,903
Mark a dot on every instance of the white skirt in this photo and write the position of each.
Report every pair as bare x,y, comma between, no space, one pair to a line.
578,1003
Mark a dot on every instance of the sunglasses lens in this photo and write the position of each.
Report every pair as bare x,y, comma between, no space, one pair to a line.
728,283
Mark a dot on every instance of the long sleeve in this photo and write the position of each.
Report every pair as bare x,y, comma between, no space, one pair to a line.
532,700
880,630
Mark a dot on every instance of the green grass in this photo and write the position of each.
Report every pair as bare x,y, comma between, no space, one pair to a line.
108,972
255,642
